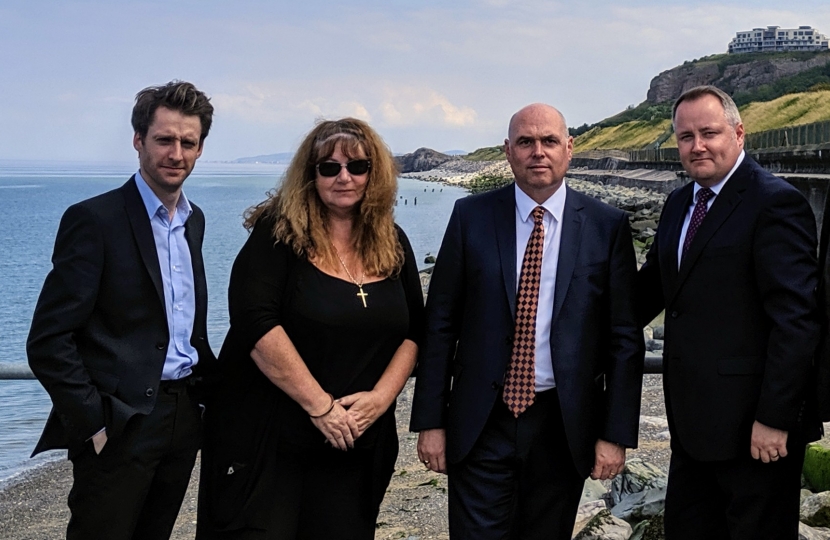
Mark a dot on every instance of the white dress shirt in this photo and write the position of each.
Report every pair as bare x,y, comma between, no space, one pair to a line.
554,208
697,187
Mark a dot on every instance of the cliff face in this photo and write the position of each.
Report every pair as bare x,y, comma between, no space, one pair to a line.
734,79
422,159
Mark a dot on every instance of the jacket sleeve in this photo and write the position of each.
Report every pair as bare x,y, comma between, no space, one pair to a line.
66,303
624,374
786,273
445,300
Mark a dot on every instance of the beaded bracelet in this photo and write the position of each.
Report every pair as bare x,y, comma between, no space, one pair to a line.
327,410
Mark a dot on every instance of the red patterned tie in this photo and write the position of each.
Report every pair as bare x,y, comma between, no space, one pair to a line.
703,196
520,379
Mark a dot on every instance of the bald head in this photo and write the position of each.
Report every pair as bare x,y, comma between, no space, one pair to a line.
539,150
538,111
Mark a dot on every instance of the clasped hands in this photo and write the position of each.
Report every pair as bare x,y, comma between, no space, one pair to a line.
350,417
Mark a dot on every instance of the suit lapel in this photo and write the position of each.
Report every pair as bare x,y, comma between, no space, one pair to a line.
725,203
568,249
504,219
143,233
671,223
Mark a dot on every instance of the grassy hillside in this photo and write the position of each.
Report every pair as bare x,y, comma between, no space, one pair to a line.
490,153
788,110
627,136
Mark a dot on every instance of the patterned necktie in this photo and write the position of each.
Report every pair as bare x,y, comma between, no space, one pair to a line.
699,213
520,379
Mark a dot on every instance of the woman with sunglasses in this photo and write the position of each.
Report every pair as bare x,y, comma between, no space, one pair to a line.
326,312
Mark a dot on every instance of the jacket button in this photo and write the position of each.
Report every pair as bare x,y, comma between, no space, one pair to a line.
674,314
160,346
149,392
201,338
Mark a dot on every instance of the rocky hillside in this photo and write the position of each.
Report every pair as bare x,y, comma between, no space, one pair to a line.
422,159
735,74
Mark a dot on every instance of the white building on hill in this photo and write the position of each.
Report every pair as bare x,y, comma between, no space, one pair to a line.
775,38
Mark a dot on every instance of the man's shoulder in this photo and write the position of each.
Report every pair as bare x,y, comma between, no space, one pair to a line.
104,203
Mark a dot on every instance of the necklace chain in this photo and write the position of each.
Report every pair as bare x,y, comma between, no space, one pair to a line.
362,277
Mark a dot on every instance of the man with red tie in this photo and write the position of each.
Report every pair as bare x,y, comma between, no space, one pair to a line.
530,375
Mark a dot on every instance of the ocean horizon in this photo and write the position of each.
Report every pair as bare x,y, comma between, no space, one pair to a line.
33,197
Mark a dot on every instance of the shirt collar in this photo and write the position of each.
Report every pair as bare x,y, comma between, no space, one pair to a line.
719,186
153,204
554,205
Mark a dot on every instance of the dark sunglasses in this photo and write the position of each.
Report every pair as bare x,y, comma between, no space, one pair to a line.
355,167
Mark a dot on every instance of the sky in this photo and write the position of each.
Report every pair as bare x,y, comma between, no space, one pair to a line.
442,74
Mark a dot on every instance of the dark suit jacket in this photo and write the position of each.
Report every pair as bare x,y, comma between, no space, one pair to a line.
99,334
596,344
740,324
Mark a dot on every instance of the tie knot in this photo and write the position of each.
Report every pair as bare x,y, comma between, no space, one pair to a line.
704,195
538,214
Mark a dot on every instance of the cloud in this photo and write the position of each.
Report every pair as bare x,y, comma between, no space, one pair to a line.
393,105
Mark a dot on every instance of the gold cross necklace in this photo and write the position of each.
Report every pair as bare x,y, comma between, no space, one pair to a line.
362,295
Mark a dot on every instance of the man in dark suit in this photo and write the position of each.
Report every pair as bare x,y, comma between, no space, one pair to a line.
734,266
531,371
119,337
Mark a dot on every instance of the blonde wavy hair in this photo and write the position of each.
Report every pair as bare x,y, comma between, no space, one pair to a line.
302,218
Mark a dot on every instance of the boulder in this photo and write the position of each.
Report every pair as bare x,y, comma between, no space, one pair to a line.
605,526
805,532
653,345
639,506
585,513
653,529
636,477
593,490
817,467
815,510
658,332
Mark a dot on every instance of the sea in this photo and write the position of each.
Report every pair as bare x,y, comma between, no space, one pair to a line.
34,195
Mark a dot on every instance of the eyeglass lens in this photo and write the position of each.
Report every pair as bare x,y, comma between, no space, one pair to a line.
332,168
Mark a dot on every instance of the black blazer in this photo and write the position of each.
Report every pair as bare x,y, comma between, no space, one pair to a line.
596,344
740,324
99,334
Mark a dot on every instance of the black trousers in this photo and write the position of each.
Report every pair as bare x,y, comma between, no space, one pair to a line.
519,480
738,499
134,488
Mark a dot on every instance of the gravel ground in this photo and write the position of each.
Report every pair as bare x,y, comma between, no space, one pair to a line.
34,508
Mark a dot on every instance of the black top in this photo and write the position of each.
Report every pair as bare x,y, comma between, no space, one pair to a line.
345,346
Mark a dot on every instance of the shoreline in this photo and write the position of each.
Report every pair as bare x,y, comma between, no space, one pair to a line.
415,505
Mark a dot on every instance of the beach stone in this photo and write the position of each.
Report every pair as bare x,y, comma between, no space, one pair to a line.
653,529
658,332
585,513
805,532
656,422
638,530
815,510
605,526
642,505
645,224
817,467
429,259
636,477
804,494
593,490
653,345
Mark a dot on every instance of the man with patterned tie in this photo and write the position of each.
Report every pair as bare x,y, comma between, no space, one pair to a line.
530,375
734,266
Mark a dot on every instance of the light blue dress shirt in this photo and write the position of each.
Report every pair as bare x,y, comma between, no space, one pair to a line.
177,279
